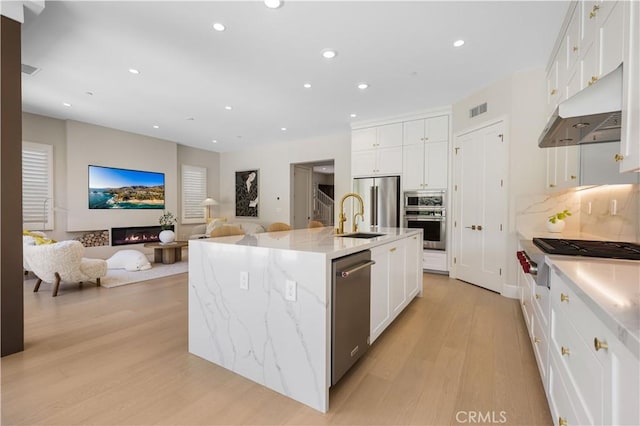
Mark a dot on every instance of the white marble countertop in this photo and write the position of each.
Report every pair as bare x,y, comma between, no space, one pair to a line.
611,289
316,240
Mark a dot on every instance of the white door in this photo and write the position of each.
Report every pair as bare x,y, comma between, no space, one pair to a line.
480,206
302,196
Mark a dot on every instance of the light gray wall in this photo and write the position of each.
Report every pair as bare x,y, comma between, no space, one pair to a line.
274,165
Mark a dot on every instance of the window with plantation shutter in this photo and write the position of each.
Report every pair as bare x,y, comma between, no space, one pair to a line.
37,186
194,191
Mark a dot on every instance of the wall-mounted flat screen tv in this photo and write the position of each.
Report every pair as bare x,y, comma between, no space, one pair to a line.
111,188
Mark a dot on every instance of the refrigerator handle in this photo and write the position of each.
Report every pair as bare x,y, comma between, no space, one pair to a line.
372,207
375,208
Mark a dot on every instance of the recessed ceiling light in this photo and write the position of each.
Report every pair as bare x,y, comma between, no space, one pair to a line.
284,129
89,93
362,86
134,71
214,141
307,85
190,119
155,126
273,4
67,104
228,108
353,115
458,43
329,53
218,26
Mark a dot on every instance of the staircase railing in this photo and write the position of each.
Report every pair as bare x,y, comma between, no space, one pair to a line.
324,207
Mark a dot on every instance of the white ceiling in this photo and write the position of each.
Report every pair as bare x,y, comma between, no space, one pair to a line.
259,64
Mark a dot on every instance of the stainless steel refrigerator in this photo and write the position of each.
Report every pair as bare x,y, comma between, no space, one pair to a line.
381,196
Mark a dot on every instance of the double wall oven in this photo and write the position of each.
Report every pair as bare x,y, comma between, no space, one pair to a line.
427,210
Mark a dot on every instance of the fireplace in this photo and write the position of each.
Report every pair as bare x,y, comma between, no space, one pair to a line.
135,235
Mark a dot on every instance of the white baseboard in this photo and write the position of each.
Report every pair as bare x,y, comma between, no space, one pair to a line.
510,291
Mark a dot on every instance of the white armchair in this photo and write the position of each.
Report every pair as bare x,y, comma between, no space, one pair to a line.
62,261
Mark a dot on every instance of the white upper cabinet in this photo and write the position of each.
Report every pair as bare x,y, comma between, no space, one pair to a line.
629,157
611,36
377,150
424,153
376,137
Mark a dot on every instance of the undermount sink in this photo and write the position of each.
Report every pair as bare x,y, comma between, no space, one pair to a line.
360,235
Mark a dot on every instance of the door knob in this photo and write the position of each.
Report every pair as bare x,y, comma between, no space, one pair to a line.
479,227
472,227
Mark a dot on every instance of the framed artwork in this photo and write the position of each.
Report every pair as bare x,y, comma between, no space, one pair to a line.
247,193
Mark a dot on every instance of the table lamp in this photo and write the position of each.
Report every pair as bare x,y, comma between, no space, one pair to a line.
208,202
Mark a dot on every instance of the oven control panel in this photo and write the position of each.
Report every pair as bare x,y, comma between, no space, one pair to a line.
528,266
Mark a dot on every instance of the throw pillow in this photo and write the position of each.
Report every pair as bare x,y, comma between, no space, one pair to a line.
131,260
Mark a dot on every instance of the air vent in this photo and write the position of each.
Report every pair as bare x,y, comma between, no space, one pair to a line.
480,109
29,70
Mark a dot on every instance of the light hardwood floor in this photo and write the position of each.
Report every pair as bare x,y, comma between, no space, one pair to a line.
119,356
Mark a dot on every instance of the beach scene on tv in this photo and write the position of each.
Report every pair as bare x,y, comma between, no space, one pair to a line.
111,188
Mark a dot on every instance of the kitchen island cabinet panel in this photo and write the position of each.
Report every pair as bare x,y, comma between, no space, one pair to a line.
244,317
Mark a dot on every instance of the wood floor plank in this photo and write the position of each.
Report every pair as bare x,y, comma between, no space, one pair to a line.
119,356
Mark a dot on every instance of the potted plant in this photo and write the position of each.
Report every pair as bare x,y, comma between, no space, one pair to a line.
167,220
556,221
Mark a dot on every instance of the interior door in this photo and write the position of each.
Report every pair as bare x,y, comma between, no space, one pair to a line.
480,206
302,196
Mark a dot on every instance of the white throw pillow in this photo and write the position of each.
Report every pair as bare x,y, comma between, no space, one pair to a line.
131,260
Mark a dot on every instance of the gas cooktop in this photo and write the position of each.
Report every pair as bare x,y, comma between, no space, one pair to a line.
606,249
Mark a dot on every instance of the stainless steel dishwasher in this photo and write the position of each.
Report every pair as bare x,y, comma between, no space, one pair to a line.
350,319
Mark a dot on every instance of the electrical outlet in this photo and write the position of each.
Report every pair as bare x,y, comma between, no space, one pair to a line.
290,292
589,208
244,280
613,208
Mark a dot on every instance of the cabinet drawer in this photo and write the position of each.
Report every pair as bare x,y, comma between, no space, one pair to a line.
541,304
434,261
584,371
559,400
588,326
540,345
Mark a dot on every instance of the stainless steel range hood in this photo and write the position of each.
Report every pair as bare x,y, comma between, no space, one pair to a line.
592,115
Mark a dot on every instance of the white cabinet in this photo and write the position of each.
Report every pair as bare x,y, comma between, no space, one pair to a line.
380,313
396,278
553,88
598,373
629,156
434,129
377,150
434,260
413,275
425,166
376,137
425,162
397,287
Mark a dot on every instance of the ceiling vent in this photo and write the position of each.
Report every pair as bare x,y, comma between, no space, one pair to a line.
477,110
29,70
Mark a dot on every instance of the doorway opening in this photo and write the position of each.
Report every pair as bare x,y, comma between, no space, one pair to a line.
312,193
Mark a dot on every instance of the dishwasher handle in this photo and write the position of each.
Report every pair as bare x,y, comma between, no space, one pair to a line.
345,274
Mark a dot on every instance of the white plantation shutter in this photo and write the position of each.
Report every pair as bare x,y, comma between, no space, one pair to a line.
37,186
194,191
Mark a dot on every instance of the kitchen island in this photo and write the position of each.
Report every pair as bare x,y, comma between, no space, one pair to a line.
260,305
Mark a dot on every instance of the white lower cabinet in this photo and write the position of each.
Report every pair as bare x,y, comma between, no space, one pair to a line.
396,278
589,375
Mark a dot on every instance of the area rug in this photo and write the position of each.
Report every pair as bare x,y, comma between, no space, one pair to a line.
118,277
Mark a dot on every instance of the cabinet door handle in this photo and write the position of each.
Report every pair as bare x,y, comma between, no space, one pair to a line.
573,177
599,344
472,227
618,157
537,296
553,92
562,422
393,249
575,48
564,351
564,297
479,227
536,340
552,185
